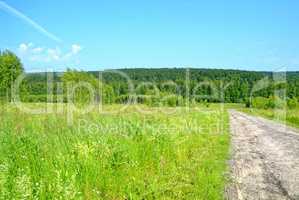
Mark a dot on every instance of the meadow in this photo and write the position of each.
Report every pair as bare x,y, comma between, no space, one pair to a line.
164,153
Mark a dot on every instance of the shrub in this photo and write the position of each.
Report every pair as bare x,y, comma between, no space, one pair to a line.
292,103
276,102
42,98
172,101
122,99
260,102
266,103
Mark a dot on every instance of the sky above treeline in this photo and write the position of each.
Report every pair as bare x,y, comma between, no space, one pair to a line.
95,35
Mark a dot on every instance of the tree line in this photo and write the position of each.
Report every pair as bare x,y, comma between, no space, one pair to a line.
164,86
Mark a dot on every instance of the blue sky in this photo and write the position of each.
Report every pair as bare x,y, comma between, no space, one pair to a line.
95,35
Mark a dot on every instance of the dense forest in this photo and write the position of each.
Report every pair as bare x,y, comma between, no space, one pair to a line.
199,84
171,86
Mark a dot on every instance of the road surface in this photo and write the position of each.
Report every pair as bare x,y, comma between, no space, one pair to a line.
265,159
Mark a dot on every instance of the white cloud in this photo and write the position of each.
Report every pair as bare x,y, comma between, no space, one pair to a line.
23,48
76,49
37,50
53,54
40,54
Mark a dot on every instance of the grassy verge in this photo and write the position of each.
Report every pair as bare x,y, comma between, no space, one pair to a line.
288,116
124,155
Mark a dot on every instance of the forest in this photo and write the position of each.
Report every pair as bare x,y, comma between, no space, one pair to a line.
156,86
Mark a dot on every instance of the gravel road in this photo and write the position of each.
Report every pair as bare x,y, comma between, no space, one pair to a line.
265,159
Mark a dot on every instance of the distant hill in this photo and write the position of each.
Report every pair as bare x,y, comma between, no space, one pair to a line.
240,82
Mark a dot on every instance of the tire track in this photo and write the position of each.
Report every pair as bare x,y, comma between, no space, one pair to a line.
265,159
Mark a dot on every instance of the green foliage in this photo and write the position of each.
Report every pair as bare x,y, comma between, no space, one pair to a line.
267,103
43,98
173,100
108,156
288,116
276,102
237,84
164,99
10,68
82,87
292,103
122,99
260,102
229,86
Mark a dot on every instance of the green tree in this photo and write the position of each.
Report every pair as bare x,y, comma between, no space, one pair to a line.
102,92
10,68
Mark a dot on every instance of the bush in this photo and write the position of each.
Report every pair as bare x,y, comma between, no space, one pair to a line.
266,103
172,101
163,100
260,102
147,100
122,99
292,103
42,98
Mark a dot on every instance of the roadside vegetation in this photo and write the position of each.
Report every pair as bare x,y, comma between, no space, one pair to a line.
274,108
128,155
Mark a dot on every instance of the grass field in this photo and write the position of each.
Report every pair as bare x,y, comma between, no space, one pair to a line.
288,116
124,155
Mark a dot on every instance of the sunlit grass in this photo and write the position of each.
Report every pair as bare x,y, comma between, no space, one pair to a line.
121,155
287,116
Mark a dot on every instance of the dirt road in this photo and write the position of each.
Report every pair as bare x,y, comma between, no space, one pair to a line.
265,159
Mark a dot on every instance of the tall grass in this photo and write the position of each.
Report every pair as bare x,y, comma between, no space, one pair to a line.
128,155
287,116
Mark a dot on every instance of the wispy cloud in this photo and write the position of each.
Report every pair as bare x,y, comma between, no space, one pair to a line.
4,6
37,50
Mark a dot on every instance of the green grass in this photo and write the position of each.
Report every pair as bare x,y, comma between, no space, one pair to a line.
126,155
288,116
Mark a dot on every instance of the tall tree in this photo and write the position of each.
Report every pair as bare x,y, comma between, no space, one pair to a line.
102,91
10,68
